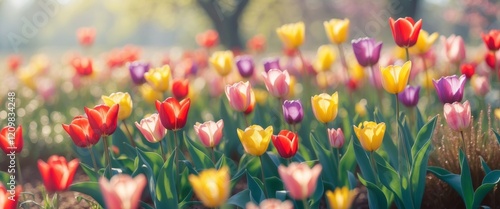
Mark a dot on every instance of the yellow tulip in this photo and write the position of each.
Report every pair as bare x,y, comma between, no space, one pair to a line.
28,79
337,30
360,108
424,42
370,134
255,139
497,113
292,35
426,82
222,61
341,198
291,87
211,186
395,78
399,53
324,59
260,96
122,99
325,107
149,94
356,71
158,78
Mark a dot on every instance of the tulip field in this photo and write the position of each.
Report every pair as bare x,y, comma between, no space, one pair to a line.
359,123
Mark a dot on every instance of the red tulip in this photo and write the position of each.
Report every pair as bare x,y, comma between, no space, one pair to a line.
13,62
57,173
86,35
492,40
9,198
491,59
257,43
468,69
207,39
405,31
286,142
81,133
180,88
173,114
82,65
103,119
11,139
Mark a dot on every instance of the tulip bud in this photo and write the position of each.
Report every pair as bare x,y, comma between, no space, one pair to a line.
336,137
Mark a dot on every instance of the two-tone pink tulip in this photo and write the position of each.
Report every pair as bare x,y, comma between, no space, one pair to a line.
210,132
277,82
151,128
454,47
336,137
299,179
240,96
122,191
457,115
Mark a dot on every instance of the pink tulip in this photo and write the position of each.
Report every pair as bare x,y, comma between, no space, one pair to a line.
122,191
277,82
454,47
457,115
239,95
299,179
336,137
480,85
151,128
210,133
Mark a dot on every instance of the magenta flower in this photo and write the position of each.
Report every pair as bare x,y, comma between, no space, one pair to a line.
210,132
450,88
151,128
299,179
137,70
293,111
336,137
457,115
245,66
409,96
277,82
367,51
271,63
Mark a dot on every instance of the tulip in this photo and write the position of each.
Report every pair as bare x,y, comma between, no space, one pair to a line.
292,35
7,199
83,66
257,43
293,112
492,40
424,42
11,139
208,39
341,198
491,59
370,134
367,51
251,106
245,65
450,88
81,133
325,58
180,88
137,70
57,173
13,62
222,62
271,63
151,128
468,69
405,31
103,119
210,132
124,100
239,95
496,112
277,82
395,78
336,137
457,115
454,47
149,94
173,114
360,108
299,179
86,35
158,78
409,96
255,139
337,30
325,107
286,142
480,85
122,191
211,186
270,204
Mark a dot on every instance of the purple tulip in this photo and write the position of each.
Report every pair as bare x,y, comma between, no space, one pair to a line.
409,97
245,66
293,111
271,63
137,71
450,88
367,51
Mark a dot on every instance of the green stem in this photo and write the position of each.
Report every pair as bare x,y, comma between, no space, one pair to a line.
400,143
18,167
263,177
337,161
343,60
93,158
289,160
177,150
107,155
305,203
463,144
374,166
407,54
427,89
213,155
132,142
162,151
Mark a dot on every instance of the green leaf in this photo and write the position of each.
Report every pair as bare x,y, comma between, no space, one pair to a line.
93,176
363,160
466,181
489,182
376,198
152,160
166,192
273,184
485,166
255,187
497,135
270,164
329,173
230,135
240,199
4,177
388,176
347,164
145,205
200,159
450,178
225,161
420,119
91,189
424,134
